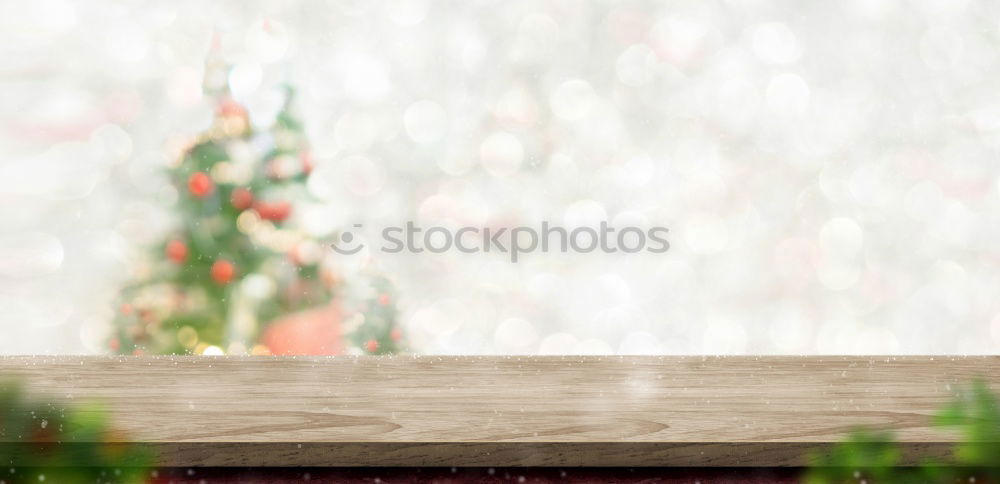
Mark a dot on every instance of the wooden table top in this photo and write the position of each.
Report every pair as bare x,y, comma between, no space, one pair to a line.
507,411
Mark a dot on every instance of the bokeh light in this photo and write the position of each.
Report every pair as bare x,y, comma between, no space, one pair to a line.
827,170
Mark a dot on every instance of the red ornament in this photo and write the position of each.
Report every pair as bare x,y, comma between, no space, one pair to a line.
396,334
371,346
241,198
177,251
274,211
383,299
114,344
199,184
312,332
223,271
308,163
228,107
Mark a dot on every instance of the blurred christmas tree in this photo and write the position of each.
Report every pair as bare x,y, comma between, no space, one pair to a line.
235,261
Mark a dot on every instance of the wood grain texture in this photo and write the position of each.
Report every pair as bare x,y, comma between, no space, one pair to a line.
506,411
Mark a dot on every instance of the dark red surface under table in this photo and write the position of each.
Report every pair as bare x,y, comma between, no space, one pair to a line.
402,475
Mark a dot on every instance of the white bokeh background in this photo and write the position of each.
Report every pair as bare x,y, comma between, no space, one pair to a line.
828,170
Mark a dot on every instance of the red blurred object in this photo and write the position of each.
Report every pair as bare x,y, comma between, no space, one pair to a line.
481,475
177,251
199,184
308,163
371,346
396,334
314,332
223,271
383,299
228,107
241,198
274,211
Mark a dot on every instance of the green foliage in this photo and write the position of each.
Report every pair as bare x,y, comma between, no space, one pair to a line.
865,456
63,444
976,415
874,457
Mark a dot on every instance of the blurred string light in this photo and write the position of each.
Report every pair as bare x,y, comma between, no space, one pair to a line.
826,170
